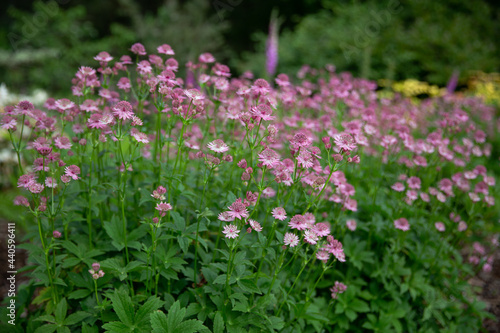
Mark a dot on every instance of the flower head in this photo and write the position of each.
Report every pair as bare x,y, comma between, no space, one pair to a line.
231,231
218,146
402,224
123,110
238,210
279,213
290,239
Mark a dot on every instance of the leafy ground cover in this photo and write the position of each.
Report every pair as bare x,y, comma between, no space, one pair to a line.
210,203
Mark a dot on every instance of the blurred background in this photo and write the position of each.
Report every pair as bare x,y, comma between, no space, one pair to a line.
42,43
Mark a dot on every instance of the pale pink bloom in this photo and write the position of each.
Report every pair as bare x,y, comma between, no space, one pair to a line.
124,84
323,256
206,58
474,197
238,210
62,142
138,49
262,111
425,197
255,225
398,187
72,171
123,110
36,188
140,137
291,239
165,49
490,201
351,204
21,201
231,231
163,208
218,146
351,224
26,180
338,288
441,197
279,213
414,182
490,181
462,226
56,234
440,226
321,229
345,141
301,140
158,194
470,175
103,57
298,222
310,237
402,224
310,219
305,159
225,217
50,182
8,122
269,158
268,192
89,106
64,104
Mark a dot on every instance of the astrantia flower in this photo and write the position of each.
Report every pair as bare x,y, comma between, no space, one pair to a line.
351,224
103,57
21,201
50,182
36,187
298,222
226,217
440,226
138,49
462,226
279,213
338,288
345,141
64,104
311,237
262,111
140,137
8,122
24,107
300,140
165,49
238,210
163,208
123,110
62,142
323,256
72,171
290,239
206,58
255,225
261,87
269,158
402,224
218,146
26,180
321,229
231,231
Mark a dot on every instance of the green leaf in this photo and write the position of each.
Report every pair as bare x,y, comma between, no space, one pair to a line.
249,285
114,229
48,318
116,327
359,306
48,328
76,318
143,314
183,243
123,306
179,222
189,326
80,293
159,322
61,310
175,315
218,323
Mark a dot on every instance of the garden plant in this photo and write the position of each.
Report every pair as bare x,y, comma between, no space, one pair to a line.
212,203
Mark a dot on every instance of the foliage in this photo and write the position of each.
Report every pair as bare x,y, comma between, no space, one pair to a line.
235,206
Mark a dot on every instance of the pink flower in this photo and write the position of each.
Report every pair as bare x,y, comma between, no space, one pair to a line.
269,158
56,234
462,226
138,49
321,229
279,213
255,225
226,217
62,142
351,224
50,182
414,182
9,123
218,146
440,226
21,201
231,231
338,288
238,210
72,171
163,207
26,180
311,237
323,256
262,111
290,239
140,137
206,58
165,49
402,224
345,141
103,57
36,188
123,110
298,222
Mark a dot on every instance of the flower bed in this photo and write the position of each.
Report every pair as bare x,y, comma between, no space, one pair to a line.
216,203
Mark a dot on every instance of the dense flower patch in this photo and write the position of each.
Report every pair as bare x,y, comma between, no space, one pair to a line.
241,204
